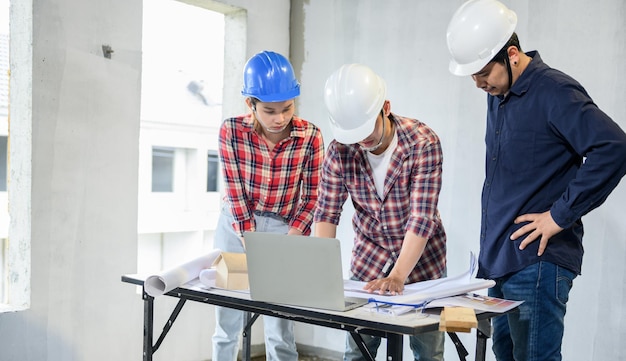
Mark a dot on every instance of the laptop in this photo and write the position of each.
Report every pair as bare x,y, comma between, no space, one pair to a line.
297,270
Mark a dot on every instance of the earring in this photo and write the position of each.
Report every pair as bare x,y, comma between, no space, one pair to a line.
514,63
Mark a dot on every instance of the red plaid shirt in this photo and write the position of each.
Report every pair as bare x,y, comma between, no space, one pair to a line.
283,181
411,194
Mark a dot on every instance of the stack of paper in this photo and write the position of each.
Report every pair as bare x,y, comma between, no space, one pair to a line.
480,303
426,291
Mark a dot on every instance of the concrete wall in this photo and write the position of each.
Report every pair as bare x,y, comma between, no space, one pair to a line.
85,136
404,41
84,178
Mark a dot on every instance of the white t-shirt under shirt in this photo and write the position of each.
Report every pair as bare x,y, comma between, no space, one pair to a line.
380,164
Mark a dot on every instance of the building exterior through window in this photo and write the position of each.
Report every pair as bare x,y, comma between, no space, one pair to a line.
179,175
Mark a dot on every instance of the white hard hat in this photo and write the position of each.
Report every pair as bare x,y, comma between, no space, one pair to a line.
354,96
477,32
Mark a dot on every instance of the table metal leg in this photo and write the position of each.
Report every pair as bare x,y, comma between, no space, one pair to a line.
362,346
148,326
483,332
394,347
169,324
248,320
460,349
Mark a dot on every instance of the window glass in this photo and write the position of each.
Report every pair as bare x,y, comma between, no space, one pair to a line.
162,169
3,163
212,171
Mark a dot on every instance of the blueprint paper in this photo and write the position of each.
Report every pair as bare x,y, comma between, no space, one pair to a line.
422,291
159,284
419,292
480,303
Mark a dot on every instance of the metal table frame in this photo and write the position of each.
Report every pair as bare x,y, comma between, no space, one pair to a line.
253,309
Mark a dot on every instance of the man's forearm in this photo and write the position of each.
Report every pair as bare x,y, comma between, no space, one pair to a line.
325,229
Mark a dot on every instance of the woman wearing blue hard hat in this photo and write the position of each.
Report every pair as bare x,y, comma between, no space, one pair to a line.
271,163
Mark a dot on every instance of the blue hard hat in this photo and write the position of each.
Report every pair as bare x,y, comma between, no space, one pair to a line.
269,77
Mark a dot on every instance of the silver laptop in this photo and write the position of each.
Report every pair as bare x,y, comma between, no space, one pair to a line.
297,270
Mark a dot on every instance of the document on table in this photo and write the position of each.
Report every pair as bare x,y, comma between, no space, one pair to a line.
426,291
480,303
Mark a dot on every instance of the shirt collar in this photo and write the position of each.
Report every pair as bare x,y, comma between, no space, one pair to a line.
523,82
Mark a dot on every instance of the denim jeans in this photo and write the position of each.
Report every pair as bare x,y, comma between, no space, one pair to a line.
425,346
534,332
280,343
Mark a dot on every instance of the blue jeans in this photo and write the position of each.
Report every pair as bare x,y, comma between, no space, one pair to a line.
280,343
425,346
533,332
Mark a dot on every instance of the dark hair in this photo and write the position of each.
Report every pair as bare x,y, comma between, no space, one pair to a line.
253,101
503,54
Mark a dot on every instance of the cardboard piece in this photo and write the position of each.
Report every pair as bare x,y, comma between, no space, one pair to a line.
457,319
232,271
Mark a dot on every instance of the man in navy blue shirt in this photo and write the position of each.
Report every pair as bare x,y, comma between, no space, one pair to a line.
552,157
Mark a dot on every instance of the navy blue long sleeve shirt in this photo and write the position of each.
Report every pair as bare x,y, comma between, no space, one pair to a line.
549,147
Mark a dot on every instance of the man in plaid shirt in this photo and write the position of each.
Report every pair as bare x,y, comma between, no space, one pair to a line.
391,168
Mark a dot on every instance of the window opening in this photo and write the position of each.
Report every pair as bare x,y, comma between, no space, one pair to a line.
181,110
3,162
212,171
162,169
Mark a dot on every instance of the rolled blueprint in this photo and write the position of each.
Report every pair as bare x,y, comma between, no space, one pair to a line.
159,284
207,277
